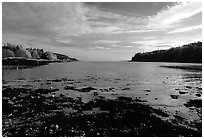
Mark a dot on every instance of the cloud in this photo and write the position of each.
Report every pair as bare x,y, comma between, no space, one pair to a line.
103,48
65,41
65,19
185,29
149,38
114,45
136,31
158,43
108,22
106,41
170,16
75,19
147,42
45,18
128,46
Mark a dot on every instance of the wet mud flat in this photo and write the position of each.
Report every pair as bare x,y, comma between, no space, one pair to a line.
39,112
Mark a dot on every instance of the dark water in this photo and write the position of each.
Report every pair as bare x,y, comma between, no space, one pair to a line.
159,85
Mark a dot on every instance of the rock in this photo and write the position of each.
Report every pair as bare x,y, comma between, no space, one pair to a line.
111,88
106,90
126,88
95,93
199,88
61,95
189,87
194,103
198,95
182,92
86,89
55,80
174,96
147,90
69,87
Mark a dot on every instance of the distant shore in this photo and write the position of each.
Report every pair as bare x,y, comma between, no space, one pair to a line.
21,62
190,53
15,56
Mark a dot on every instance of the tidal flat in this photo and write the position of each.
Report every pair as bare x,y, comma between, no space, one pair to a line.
102,100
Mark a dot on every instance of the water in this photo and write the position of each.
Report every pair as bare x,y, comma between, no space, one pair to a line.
144,80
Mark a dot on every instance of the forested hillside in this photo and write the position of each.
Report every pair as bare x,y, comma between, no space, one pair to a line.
190,53
12,50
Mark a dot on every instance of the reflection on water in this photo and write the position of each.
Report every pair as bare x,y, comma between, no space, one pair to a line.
127,78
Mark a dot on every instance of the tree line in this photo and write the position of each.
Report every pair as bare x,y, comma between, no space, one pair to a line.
189,53
12,50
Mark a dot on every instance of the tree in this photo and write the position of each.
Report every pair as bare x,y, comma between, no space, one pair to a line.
10,47
187,53
21,52
49,56
34,53
40,52
7,53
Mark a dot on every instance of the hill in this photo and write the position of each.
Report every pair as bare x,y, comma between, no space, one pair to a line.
190,53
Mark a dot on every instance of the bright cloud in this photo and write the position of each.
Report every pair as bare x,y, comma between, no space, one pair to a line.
186,29
128,46
169,17
162,43
103,48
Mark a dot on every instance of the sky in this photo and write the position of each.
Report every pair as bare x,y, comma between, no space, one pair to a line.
102,31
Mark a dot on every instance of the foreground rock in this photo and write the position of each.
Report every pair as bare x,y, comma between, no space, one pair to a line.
27,112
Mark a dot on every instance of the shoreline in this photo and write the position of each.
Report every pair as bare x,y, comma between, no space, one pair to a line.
23,63
84,106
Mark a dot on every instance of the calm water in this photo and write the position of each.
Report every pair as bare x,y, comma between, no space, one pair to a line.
147,81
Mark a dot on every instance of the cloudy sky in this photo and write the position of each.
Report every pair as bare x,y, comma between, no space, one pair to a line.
101,31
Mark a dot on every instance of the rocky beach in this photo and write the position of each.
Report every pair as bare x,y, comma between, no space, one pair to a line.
96,105
102,69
